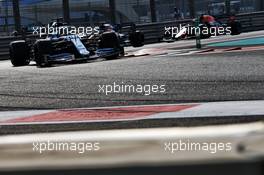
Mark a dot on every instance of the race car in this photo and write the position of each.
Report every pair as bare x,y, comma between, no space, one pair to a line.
57,48
207,27
47,51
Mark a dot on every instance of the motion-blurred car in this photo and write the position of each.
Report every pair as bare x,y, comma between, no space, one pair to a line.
57,48
205,24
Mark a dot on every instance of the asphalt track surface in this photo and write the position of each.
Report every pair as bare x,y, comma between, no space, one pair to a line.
190,78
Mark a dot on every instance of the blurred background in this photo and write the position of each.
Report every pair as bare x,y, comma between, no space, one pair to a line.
91,12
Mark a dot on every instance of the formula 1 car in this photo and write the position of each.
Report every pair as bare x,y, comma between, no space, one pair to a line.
188,31
67,48
206,28
47,51
54,48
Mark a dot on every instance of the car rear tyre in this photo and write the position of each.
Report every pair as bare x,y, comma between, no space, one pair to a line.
111,40
19,53
236,28
137,39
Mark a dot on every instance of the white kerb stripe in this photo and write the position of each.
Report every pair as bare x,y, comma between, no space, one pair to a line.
217,109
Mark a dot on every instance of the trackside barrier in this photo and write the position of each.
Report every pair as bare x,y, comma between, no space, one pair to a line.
136,147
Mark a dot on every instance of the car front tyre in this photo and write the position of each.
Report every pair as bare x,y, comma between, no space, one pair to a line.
19,53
